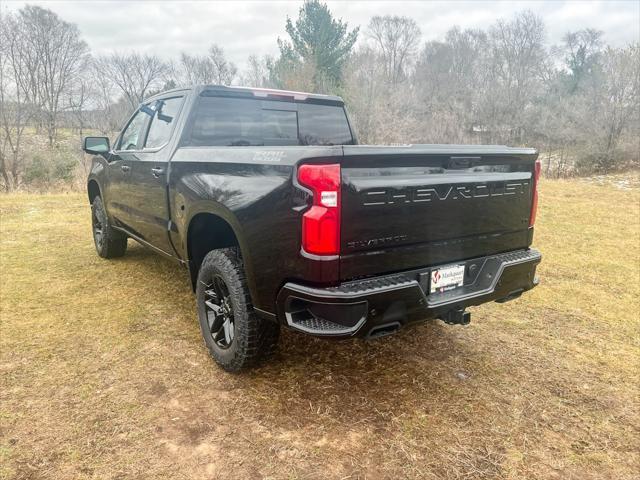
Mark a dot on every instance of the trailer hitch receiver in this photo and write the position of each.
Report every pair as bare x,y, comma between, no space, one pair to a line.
457,317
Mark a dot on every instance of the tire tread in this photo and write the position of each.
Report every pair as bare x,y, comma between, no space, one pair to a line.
258,337
114,243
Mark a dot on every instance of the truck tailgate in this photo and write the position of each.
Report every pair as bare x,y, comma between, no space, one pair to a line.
414,206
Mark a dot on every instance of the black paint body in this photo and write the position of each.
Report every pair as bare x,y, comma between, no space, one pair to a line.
404,208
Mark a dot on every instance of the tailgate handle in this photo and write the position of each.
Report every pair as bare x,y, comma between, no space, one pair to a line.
462,162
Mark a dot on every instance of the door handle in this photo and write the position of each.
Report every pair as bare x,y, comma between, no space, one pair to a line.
157,171
125,168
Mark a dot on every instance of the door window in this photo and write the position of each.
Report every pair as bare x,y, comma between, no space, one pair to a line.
163,122
132,133
221,121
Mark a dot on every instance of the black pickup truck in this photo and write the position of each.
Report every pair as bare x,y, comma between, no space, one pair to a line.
282,219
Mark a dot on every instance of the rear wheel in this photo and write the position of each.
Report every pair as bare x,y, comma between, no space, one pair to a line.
109,242
235,336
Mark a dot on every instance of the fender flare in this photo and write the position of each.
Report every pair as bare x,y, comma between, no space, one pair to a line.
219,210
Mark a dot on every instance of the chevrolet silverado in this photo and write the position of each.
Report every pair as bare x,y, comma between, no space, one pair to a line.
283,220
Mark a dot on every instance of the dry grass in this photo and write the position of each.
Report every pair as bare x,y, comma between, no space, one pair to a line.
104,374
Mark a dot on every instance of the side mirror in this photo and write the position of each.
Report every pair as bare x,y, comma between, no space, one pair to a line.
96,145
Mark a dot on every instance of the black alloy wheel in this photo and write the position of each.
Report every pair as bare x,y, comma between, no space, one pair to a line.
219,311
234,334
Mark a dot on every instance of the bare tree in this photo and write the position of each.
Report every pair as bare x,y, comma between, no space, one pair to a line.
193,70
581,50
257,73
78,101
224,70
60,55
397,39
451,77
134,74
517,51
18,97
617,104
110,110
212,68
365,86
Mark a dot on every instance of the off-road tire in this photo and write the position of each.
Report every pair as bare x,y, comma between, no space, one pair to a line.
254,338
110,243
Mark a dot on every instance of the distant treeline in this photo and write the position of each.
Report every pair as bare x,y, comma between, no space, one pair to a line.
577,102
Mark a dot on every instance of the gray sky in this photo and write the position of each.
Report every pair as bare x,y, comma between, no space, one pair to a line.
242,28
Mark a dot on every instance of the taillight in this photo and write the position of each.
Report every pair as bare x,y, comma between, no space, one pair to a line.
321,223
534,202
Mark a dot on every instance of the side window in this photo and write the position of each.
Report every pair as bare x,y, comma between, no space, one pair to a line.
222,121
163,121
226,122
131,135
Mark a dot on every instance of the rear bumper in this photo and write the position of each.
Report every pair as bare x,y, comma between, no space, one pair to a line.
364,308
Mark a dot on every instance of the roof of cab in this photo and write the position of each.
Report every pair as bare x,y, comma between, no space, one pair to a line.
269,93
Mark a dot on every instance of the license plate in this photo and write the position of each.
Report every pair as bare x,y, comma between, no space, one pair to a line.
446,278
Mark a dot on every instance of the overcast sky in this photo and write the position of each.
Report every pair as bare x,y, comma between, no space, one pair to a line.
243,28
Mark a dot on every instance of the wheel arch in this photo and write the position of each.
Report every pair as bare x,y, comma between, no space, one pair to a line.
93,190
209,231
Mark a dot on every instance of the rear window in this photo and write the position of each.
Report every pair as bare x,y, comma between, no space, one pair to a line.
229,121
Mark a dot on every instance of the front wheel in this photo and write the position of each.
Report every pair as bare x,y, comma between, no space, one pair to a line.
109,242
235,336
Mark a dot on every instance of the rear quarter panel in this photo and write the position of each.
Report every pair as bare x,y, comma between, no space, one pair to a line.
252,189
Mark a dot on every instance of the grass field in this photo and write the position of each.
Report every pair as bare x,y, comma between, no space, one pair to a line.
104,375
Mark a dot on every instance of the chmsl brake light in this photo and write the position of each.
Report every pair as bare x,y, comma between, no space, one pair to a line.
534,201
321,222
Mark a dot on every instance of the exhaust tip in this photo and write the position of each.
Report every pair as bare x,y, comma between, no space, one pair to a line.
383,330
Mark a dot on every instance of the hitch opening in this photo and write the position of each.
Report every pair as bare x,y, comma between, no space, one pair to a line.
457,317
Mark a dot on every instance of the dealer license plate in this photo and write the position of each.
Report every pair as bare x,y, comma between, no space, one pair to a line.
446,278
